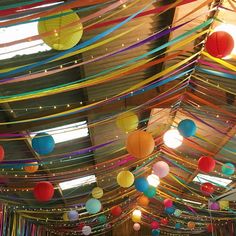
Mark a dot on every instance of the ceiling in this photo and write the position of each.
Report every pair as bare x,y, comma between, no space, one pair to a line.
150,59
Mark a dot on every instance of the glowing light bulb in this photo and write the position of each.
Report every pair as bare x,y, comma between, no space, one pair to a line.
172,138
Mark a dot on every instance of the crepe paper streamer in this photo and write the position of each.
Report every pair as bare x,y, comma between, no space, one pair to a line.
22,4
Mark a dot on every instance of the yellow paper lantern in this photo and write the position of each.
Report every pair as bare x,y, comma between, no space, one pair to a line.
65,216
136,216
127,121
97,192
125,179
33,168
224,205
62,38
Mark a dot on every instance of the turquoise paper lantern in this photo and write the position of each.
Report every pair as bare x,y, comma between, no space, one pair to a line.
228,169
156,232
187,128
177,225
150,192
93,206
169,210
102,219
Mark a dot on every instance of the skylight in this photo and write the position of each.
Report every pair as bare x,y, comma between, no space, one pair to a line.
78,182
19,32
201,178
67,132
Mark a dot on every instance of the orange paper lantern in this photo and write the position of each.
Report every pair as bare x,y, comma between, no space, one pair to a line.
140,144
191,225
143,201
33,168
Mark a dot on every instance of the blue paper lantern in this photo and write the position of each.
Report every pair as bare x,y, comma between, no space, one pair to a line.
169,210
177,225
102,219
43,143
156,232
187,128
141,184
150,192
93,206
73,215
228,169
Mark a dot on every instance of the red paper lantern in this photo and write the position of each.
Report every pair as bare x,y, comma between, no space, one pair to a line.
206,164
155,225
210,228
116,211
219,44
43,191
207,189
80,226
2,153
168,203
164,221
140,144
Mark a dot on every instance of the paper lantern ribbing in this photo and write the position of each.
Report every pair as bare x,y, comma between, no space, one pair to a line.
207,189
161,169
33,168
187,128
97,192
164,221
2,153
177,212
43,191
177,225
125,179
93,206
102,219
206,164
168,202
169,210
116,211
140,144
86,230
228,169
143,201
141,184
43,143
219,44
136,226
63,37
127,121
191,225
150,192
155,225
73,215
156,232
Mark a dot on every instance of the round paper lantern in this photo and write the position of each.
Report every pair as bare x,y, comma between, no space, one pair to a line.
140,144
169,210
86,230
187,128
65,216
136,226
224,205
155,225
214,206
136,216
116,211
228,169
143,201
207,189
93,206
43,143
73,215
161,169
156,232
2,153
177,212
97,192
153,180
127,121
206,164
172,138
177,225
63,37
164,221
33,168
210,228
150,192
43,191
102,219
125,179
168,203
191,225
219,44
141,184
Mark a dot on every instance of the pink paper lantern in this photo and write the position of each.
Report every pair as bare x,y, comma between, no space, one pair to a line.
155,225
168,203
136,227
214,206
161,169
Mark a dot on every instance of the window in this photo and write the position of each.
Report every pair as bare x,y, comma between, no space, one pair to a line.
78,182
67,132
